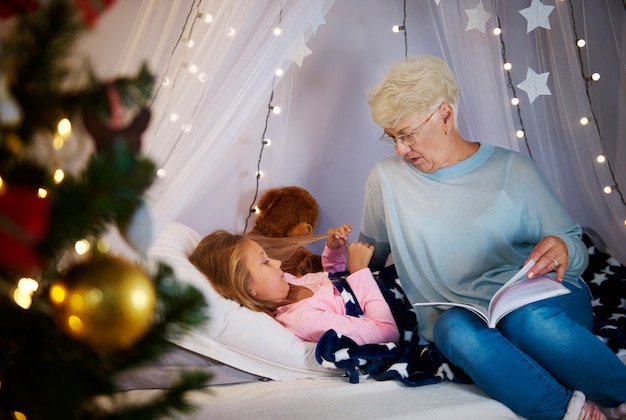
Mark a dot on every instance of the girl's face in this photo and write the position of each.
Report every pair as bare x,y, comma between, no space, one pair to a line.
267,280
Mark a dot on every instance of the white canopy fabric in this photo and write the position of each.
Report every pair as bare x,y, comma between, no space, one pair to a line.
215,62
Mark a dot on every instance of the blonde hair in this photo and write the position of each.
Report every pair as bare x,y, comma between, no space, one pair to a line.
412,85
221,257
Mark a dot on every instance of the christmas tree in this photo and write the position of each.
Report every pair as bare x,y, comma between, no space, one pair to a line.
74,316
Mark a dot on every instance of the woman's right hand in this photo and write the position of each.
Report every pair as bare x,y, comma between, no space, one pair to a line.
359,256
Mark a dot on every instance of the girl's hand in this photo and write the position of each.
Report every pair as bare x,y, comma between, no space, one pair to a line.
338,236
359,256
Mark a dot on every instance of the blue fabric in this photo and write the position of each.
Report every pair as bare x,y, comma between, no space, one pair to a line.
413,361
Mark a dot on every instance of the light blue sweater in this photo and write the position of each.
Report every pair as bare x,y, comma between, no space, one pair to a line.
461,232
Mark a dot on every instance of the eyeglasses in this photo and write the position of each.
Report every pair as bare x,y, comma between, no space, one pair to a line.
408,138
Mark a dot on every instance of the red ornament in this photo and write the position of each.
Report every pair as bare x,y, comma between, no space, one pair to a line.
90,10
24,218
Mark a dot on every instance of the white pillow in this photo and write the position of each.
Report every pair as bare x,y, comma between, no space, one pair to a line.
250,341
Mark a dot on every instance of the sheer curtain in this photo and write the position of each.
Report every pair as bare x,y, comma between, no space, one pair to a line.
215,85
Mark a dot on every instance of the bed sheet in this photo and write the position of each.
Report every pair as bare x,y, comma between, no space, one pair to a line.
325,398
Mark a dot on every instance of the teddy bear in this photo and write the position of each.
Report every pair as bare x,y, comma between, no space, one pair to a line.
287,212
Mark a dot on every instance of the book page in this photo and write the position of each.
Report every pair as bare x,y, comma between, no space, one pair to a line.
522,293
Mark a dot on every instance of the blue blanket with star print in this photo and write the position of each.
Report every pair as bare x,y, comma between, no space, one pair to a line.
413,361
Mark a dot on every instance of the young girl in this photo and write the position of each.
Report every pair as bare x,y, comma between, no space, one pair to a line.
239,268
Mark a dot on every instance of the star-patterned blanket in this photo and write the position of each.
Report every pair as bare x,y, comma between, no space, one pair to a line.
606,279
413,361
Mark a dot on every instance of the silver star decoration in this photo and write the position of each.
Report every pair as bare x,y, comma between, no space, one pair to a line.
537,15
478,18
299,50
621,353
596,302
316,21
535,84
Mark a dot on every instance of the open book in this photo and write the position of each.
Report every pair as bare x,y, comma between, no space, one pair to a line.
515,293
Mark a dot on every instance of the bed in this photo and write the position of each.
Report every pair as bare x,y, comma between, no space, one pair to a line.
260,370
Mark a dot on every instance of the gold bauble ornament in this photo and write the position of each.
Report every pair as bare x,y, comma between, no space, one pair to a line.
106,302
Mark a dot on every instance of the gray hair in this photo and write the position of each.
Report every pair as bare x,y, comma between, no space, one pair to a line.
412,85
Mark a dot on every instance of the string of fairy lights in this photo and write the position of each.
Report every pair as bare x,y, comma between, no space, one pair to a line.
264,141
589,80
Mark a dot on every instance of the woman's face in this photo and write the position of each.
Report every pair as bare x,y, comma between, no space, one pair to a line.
421,140
267,280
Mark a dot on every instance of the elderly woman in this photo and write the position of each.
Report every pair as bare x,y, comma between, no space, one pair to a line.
460,218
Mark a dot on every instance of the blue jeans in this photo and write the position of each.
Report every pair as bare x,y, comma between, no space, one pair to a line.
536,356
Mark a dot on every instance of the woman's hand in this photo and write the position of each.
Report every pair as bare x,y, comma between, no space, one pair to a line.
359,256
549,254
338,236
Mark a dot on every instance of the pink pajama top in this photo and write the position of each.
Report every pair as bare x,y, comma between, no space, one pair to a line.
311,317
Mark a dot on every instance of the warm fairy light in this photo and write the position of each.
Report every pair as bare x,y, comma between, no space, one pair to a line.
23,293
192,69
58,142
64,127
161,173
102,245
584,121
82,246
75,323
581,43
277,31
203,77
186,127
497,31
165,81
190,43
275,109
397,28
58,176
206,17
514,101
608,189
600,158
507,66
279,72
267,142
42,193
57,293
173,117
1,184
231,32
595,77
519,134
259,174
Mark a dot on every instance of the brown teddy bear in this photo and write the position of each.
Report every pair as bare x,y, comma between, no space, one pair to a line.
287,212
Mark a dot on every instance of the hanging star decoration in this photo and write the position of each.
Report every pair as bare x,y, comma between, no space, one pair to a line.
299,51
478,18
535,84
316,21
537,15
